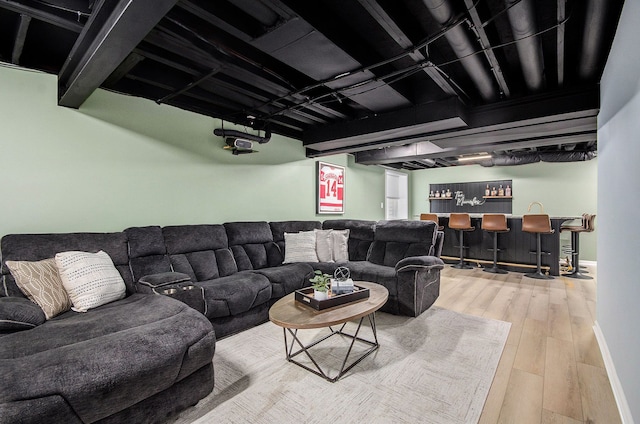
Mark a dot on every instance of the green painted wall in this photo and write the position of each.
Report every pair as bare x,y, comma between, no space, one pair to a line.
565,189
120,161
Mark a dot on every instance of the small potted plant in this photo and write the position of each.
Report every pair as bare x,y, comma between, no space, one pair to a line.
320,283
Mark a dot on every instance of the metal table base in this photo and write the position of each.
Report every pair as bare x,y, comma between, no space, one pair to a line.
344,368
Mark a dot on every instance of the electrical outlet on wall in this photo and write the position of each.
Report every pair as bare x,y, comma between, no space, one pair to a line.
381,205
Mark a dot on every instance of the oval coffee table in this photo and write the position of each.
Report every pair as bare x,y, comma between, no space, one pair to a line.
292,316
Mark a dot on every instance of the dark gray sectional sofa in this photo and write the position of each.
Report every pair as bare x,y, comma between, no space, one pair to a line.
147,356
139,359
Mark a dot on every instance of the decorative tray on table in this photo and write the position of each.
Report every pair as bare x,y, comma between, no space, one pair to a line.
305,296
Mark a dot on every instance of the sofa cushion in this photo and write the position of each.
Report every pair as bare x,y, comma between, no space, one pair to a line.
108,359
390,253
147,251
252,245
235,294
396,240
90,279
300,247
194,238
287,278
406,231
205,265
200,251
18,314
36,247
367,271
240,233
41,283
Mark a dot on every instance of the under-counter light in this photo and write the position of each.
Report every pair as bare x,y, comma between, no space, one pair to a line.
473,158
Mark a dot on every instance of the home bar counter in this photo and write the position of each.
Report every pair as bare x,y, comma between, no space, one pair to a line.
514,246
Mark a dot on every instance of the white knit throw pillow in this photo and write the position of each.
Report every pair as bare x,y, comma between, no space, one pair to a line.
90,279
300,247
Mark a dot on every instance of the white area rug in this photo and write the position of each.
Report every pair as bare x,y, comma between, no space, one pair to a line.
436,368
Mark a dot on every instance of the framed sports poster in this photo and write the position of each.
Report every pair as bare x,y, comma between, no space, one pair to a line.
330,188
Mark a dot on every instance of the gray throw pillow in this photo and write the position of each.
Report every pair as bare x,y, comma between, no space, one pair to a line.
324,245
340,240
18,314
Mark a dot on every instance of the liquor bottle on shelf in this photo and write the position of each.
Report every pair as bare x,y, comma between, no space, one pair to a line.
437,193
431,194
500,191
507,192
487,192
494,192
448,194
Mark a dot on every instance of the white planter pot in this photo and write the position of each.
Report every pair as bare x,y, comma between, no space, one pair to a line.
318,295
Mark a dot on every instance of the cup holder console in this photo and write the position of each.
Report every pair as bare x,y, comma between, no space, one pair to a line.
188,293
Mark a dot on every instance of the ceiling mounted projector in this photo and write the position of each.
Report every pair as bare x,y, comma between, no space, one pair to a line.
239,142
239,145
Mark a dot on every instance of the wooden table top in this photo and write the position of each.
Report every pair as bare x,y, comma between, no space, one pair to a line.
289,313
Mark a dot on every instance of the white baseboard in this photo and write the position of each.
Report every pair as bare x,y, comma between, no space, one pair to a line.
589,263
616,386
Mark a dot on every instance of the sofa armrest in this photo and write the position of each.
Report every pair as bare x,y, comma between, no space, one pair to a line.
418,283
17,313
437,248
419,263
152,281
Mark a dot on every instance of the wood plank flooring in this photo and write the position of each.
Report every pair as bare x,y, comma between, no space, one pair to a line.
551,370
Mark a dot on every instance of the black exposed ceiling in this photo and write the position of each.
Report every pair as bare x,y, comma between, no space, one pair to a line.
409,84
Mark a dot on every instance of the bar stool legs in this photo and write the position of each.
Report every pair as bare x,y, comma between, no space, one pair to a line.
462,264
538,272
537,224
587,227
462,223
495,223
494,269
575,260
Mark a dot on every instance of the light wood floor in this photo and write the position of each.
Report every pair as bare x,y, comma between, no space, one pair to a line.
551,370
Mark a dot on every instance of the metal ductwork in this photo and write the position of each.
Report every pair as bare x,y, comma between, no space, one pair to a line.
463,48
245,136
525,158
567,156
523,24
595,19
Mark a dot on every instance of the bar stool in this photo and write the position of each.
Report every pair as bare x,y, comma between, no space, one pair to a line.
462,223
538,224
571,248
586,227
431,217
495,223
